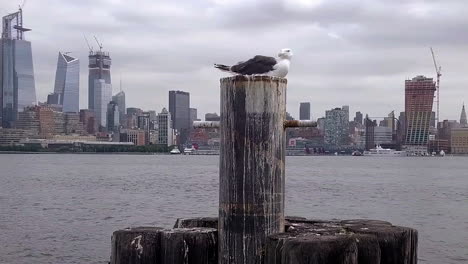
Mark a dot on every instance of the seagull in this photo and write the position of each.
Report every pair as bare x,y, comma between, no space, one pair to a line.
262,65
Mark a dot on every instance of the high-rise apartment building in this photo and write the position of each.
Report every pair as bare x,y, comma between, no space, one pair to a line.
102,97
88,120
304,111
99,85
193,116
370,126
433,120
383,135
67,84
459,142
17,88
336,127
346,109
419,97
134,111
445,131
113,119
73,125
145,124
119,99
45,122
165,128
179,107
358,118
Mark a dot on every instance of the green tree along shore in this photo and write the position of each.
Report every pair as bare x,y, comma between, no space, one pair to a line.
89,149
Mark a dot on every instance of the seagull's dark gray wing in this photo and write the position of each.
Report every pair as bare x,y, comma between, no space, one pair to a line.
257,65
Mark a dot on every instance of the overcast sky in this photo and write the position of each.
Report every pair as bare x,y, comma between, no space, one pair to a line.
353,52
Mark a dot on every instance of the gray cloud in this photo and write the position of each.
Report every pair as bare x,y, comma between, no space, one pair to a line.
356,52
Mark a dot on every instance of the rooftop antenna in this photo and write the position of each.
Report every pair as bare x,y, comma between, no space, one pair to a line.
99,44
22,5
87,42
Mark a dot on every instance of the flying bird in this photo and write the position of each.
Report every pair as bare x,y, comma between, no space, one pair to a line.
262,65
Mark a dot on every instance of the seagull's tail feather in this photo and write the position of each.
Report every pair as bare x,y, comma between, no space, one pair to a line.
222,67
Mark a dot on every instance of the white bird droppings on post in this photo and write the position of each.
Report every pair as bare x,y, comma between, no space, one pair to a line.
136,244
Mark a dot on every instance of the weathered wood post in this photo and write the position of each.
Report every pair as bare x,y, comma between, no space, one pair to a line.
138,245
252,155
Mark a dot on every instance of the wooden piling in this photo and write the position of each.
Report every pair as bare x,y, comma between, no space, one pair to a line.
251,225
211,222
252,155
189,246
138,245
342,242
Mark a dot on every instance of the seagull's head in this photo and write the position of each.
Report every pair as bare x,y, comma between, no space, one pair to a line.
285,54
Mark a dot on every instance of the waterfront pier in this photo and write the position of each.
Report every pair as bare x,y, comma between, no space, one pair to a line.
251,227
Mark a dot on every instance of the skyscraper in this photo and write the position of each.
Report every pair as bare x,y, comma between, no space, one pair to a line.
463,121
336,127
358,118
99,84
193,116
113,121
119,99
165,128
419,97
67,83
370,127
88,120
346,109
433,119
17,89
102,97
179,107
304,111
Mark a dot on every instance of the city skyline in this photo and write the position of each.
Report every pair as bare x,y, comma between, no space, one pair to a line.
323,71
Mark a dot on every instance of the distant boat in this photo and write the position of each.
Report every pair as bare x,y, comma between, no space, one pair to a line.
175,150
189,150
383,152
356,153
442,153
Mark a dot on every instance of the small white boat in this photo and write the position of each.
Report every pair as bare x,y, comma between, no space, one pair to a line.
175,150
383,152
442,153
189,150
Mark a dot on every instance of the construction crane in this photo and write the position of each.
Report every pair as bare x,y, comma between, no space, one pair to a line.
439,74
22,5
87,42
99,44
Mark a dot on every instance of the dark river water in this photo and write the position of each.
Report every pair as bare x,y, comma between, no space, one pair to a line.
64,208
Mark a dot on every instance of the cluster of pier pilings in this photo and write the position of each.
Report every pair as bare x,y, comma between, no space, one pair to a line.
251,227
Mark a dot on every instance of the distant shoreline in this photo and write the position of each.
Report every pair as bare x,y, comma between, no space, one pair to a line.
116,153
167,153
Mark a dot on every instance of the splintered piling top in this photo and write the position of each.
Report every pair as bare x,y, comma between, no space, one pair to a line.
254,78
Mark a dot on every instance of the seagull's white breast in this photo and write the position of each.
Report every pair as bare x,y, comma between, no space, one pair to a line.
281,69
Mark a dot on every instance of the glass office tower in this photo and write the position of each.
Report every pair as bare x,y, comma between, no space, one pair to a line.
17,89
67,83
